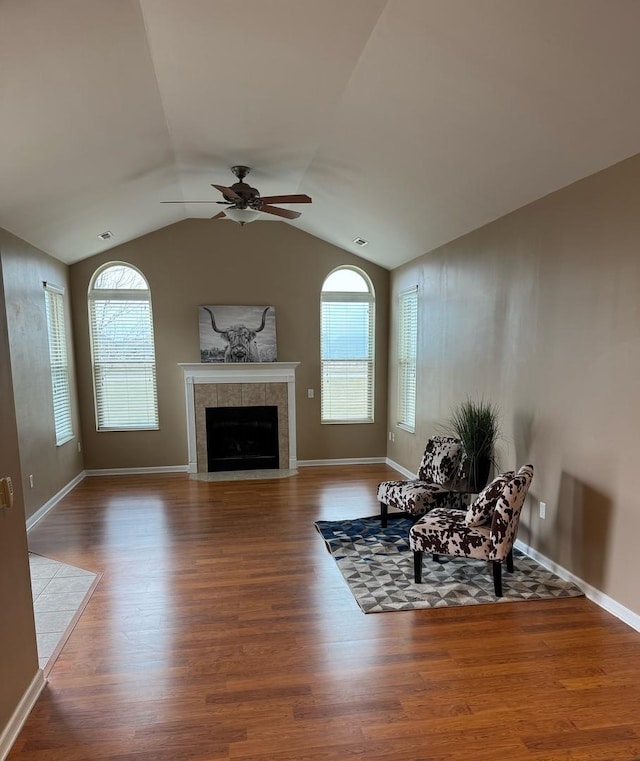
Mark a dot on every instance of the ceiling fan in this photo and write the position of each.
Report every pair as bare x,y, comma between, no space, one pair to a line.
244,203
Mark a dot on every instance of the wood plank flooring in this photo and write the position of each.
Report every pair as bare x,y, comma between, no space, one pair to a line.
222,629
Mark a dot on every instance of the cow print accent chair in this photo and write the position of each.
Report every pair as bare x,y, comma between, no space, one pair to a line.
435,486
453,532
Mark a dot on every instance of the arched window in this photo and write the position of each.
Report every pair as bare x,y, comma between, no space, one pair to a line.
347,322
122,349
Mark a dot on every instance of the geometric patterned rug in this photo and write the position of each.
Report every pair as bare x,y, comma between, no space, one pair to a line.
377,564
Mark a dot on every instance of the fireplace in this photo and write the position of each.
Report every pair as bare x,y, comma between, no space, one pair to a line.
240,385
242,438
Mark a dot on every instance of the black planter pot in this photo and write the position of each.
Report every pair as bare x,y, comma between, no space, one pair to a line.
478,474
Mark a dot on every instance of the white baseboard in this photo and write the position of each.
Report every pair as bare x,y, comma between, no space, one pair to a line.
344,461
51,503
138,471
23,709
600,598
400,469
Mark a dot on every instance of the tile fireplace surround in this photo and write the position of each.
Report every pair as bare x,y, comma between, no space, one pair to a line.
239,385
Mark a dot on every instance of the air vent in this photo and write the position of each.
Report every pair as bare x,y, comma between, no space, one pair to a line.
106,235
360,242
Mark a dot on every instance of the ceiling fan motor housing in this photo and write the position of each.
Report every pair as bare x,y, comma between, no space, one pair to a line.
242,196
250,196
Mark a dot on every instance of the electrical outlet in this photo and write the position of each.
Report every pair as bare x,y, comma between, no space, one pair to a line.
310,393
543,510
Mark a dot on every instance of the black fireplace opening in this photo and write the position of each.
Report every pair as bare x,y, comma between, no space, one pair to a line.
242,438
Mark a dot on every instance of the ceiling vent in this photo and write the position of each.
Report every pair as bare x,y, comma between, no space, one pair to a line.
360,242
106,235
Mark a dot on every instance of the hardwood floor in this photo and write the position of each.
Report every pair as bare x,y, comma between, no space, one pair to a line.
222,629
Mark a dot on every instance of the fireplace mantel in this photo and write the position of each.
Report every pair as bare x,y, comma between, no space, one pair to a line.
238,373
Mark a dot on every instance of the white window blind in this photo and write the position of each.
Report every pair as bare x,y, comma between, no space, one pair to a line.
122,343
347,348
407,354
59,362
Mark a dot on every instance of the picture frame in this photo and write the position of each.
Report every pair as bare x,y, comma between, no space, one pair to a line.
237,333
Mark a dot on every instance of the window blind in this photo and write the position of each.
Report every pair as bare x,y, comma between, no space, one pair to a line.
59,363
123,354
407,354
347,357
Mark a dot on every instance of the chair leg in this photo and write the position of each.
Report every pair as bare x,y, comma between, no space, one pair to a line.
497,577
417,566
436,558
510,561
384,512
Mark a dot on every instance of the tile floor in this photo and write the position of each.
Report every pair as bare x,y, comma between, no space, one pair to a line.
59,592
244,475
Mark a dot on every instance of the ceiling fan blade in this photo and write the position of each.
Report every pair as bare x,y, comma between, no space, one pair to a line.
191,201
280,212
227,192
221,215
300,198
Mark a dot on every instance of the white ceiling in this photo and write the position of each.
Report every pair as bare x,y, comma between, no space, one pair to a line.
409,122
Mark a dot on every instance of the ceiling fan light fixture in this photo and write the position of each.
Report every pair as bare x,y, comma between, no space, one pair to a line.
242,216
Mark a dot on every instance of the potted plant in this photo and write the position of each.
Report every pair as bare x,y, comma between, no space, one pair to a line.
477,425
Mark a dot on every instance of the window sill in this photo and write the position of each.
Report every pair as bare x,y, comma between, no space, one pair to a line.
128,430
346,422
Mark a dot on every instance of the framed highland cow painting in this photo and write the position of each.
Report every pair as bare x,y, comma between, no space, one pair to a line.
237,333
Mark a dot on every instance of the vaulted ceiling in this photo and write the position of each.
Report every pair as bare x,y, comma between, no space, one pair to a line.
409,122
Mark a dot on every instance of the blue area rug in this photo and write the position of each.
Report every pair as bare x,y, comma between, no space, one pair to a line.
377,564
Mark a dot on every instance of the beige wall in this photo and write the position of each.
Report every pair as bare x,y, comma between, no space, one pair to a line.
53,467
18,656
540,312
203,262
